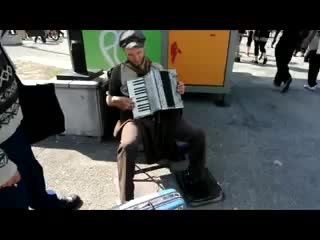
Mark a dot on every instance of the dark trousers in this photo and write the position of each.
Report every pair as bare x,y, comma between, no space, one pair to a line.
128,151
31,190
259,45
42,38
283,53
250,38
314,66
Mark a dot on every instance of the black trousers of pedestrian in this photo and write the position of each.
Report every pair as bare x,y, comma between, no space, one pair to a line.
42,38
259,45
314,66
250,38
31,190
283,53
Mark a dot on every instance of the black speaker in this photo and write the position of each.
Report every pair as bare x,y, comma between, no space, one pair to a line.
78,57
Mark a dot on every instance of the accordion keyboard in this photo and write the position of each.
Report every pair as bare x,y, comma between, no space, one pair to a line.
139,95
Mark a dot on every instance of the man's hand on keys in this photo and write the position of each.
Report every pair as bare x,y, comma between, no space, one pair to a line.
123,103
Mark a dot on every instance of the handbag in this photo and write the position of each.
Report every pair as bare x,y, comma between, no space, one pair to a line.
42,114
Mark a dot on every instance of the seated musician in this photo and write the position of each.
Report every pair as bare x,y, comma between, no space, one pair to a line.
158,132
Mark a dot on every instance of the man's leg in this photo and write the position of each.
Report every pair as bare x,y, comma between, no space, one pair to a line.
313,69
238,56
196,140
249,41
198,183
263,51
43,38
283,56
127,155
19,151
288,53
256,51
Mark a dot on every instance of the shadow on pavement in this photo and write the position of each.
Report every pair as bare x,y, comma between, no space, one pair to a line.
91,147
297,69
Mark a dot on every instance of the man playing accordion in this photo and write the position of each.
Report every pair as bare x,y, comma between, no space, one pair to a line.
158,132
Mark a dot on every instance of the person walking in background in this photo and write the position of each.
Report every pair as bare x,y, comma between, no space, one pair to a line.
249,41
238,56
312,41
283,53
260,40
22,183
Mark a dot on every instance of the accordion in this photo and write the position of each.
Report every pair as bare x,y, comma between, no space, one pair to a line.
156,91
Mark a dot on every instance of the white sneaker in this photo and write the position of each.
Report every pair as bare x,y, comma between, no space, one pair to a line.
306,86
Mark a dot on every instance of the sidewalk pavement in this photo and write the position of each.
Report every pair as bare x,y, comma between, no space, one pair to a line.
47,58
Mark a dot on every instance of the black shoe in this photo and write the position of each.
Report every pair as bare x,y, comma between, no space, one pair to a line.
286,85
237,59
276,84
255,61
265,61
306,59
200,192
72,202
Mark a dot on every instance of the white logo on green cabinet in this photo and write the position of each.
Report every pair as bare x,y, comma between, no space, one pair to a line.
103,52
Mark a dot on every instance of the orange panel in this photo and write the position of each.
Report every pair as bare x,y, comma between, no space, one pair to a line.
199,56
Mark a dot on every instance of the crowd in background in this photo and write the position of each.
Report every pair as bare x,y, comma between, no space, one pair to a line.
297,43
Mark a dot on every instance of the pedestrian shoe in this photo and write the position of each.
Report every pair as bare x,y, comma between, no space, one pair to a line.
286,85
72,202
265,61
276,84
306,86
199,192
255,61
237,59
